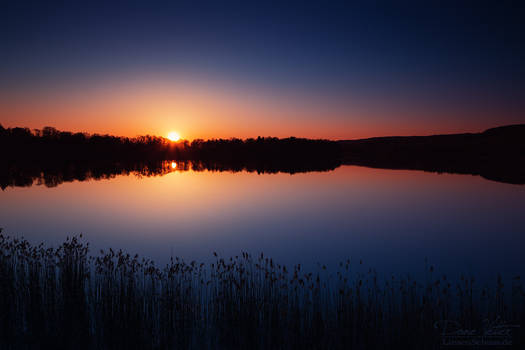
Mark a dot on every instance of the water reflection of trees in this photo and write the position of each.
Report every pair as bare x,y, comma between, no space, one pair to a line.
52,175
51,157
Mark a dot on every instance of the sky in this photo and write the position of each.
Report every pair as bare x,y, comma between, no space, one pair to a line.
337,70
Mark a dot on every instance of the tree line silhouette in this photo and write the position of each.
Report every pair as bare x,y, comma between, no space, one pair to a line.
50,156
51,144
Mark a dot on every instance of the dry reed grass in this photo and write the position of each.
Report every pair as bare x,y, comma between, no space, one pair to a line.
65,298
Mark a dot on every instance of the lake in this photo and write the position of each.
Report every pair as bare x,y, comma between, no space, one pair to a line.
391,220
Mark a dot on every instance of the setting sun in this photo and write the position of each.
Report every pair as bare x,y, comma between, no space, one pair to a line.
173,136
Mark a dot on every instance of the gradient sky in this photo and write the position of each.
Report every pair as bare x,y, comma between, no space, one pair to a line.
239,69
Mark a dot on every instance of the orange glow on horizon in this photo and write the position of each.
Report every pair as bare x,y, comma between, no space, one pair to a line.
203,110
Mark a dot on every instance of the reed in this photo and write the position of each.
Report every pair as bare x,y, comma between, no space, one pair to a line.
66,298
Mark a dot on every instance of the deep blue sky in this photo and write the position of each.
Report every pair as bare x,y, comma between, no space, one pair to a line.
467,58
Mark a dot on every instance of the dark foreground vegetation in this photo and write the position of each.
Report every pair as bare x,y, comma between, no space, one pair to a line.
64,298
496,154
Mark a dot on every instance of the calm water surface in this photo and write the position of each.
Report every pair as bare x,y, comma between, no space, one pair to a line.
392,220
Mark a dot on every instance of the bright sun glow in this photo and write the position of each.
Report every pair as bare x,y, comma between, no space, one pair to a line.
174,136
173,165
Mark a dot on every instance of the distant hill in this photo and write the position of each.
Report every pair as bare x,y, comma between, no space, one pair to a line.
497,154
